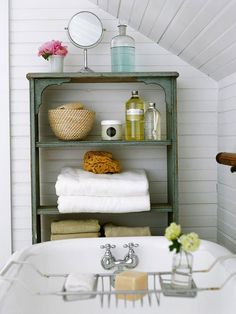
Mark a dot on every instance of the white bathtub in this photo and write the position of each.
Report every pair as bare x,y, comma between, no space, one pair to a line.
84,255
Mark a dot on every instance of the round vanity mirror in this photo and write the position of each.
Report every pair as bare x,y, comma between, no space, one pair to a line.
85,31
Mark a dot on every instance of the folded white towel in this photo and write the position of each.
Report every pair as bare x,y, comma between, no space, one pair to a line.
80,204
79,282
73,181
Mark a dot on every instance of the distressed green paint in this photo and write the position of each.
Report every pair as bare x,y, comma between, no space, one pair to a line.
54,143
160,208
35,202
40,85
172,158
101,76
165,84
41,81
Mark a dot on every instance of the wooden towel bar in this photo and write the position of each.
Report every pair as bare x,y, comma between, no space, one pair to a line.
228,159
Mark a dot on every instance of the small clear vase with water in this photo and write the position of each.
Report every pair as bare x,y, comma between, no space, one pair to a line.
182,270
122,52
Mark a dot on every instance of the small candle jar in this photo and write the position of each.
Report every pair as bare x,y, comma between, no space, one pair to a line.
111,130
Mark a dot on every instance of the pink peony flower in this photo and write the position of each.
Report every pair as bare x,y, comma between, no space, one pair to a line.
53,47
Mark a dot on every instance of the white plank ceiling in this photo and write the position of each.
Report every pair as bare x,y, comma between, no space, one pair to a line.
201,32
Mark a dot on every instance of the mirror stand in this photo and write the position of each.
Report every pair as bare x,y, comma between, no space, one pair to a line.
85,31
85,68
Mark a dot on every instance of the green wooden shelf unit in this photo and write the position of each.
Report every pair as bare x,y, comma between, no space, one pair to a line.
41,81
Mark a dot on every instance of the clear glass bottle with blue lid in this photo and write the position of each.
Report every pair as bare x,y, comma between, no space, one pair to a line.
122,52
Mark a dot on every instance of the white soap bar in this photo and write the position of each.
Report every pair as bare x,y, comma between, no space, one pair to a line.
131,281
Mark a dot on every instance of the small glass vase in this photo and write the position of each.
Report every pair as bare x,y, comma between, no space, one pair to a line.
182,270
56,63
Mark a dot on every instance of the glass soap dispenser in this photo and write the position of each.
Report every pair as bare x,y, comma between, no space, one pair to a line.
122,52
152,124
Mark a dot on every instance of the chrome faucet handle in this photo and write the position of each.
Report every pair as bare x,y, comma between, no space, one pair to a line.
130,245
108,246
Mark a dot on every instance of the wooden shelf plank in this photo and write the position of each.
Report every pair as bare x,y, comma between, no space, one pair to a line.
52,210
109,77
57,143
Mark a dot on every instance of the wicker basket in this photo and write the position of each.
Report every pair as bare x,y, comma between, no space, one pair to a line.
71,124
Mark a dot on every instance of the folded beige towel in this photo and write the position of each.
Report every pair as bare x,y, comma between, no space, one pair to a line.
74,235
74,226
118,231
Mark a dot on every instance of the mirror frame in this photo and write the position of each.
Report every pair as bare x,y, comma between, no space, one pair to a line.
81,46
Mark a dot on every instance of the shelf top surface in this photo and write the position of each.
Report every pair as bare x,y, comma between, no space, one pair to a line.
56,142
112,76
52,209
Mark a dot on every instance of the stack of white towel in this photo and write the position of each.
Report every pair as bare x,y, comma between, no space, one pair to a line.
83,191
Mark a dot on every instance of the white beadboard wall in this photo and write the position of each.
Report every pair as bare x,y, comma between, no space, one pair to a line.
200,32
226,180
33,23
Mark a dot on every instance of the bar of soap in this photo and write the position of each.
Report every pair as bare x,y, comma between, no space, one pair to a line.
131,281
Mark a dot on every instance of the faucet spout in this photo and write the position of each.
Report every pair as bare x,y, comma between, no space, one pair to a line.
108,262
131,261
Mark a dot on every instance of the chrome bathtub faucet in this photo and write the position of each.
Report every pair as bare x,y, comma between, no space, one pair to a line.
108,259
130,260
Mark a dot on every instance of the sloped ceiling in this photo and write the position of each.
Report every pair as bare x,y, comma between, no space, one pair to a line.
201,32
